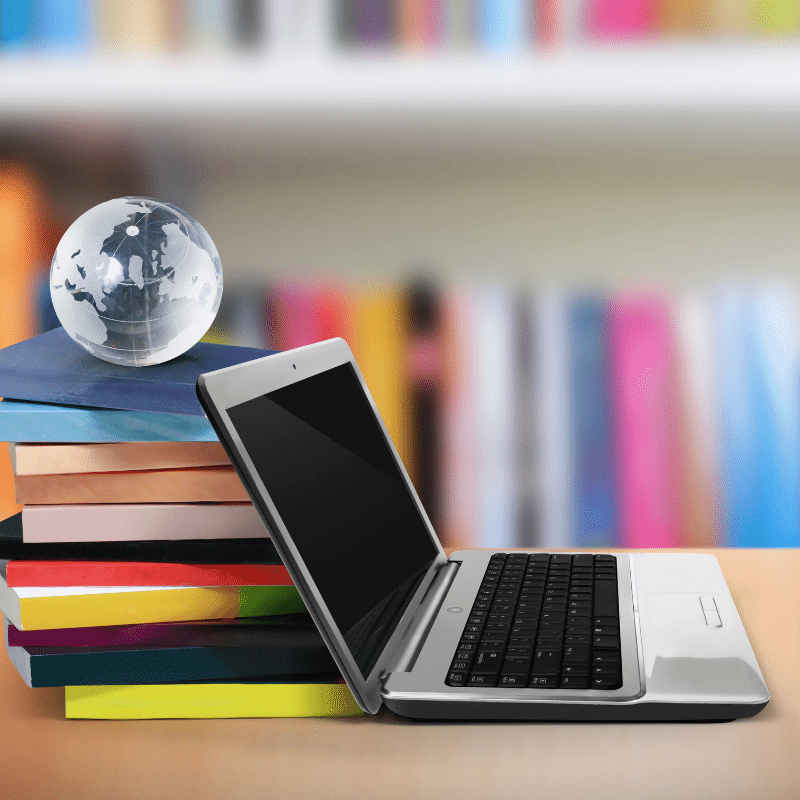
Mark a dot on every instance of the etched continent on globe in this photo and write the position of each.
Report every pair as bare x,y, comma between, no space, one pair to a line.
136,281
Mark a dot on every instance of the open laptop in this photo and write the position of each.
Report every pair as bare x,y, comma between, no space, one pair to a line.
481,635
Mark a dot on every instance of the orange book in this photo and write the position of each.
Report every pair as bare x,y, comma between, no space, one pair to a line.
207,485
22,219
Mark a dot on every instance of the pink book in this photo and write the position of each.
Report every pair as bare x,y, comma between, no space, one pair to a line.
306,314
614,20
141,521
644,421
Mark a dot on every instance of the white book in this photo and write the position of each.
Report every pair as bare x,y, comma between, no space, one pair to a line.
553,473
493,342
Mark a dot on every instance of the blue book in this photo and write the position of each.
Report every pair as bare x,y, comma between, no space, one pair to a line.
759,418
503,25
63,25
52,368
16,24
593,514
44,422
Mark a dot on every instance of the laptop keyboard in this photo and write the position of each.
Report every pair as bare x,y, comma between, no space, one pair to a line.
543,621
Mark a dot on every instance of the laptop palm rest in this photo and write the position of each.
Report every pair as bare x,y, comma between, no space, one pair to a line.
688,653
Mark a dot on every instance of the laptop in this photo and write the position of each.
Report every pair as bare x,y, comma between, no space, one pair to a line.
479,635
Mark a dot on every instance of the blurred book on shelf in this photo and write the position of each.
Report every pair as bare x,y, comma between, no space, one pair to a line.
308,28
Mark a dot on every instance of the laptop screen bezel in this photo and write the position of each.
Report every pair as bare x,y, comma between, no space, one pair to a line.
225,388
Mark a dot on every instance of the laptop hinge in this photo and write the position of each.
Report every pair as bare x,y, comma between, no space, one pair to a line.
412,640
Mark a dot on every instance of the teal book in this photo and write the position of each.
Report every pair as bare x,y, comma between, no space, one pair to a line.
219,653
51,368
45,422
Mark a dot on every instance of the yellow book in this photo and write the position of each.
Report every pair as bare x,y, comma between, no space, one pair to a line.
210,701
776,16
43,608
378,342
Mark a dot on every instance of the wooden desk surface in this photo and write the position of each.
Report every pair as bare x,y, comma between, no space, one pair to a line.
44,755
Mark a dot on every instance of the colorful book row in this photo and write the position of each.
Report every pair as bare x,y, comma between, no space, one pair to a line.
319,26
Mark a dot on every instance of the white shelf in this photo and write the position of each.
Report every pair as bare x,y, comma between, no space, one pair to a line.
697,77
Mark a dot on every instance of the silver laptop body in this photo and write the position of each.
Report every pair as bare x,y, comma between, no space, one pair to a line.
684,652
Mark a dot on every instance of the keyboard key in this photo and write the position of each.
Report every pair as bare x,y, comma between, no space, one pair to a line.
544,682
493,645
459,666
575,682
605,621
606,657
606,669
464,656
546,662
467,647
516,665
525,651
521,641
456,678
605,642
561,558
539,557
578,640
487,663
482,680
605,599
576,654
605,630
575,669
605,557
582,560
513,681
578,630
606,682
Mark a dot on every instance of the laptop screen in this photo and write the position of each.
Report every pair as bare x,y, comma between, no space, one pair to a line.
325,463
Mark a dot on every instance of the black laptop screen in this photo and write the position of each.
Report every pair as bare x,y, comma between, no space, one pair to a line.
325,463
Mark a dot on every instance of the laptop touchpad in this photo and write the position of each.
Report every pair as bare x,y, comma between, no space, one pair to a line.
674,609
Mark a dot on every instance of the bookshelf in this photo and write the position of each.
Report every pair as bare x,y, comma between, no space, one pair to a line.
689,77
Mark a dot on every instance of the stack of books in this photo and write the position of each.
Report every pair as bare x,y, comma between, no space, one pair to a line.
138,575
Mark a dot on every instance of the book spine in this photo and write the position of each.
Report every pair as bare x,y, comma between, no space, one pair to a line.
593,512
199,485
210,701
39,422
140,522
493,339
614,20
459,443
642,378
423,369
379,345
699,488
137,573
163,605
553,475
64,459
774,370
776,16
199,633
16,24
47,666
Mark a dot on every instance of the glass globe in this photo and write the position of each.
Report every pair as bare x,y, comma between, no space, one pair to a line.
136,281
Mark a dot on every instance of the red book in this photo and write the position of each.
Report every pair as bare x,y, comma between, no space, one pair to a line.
137,573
